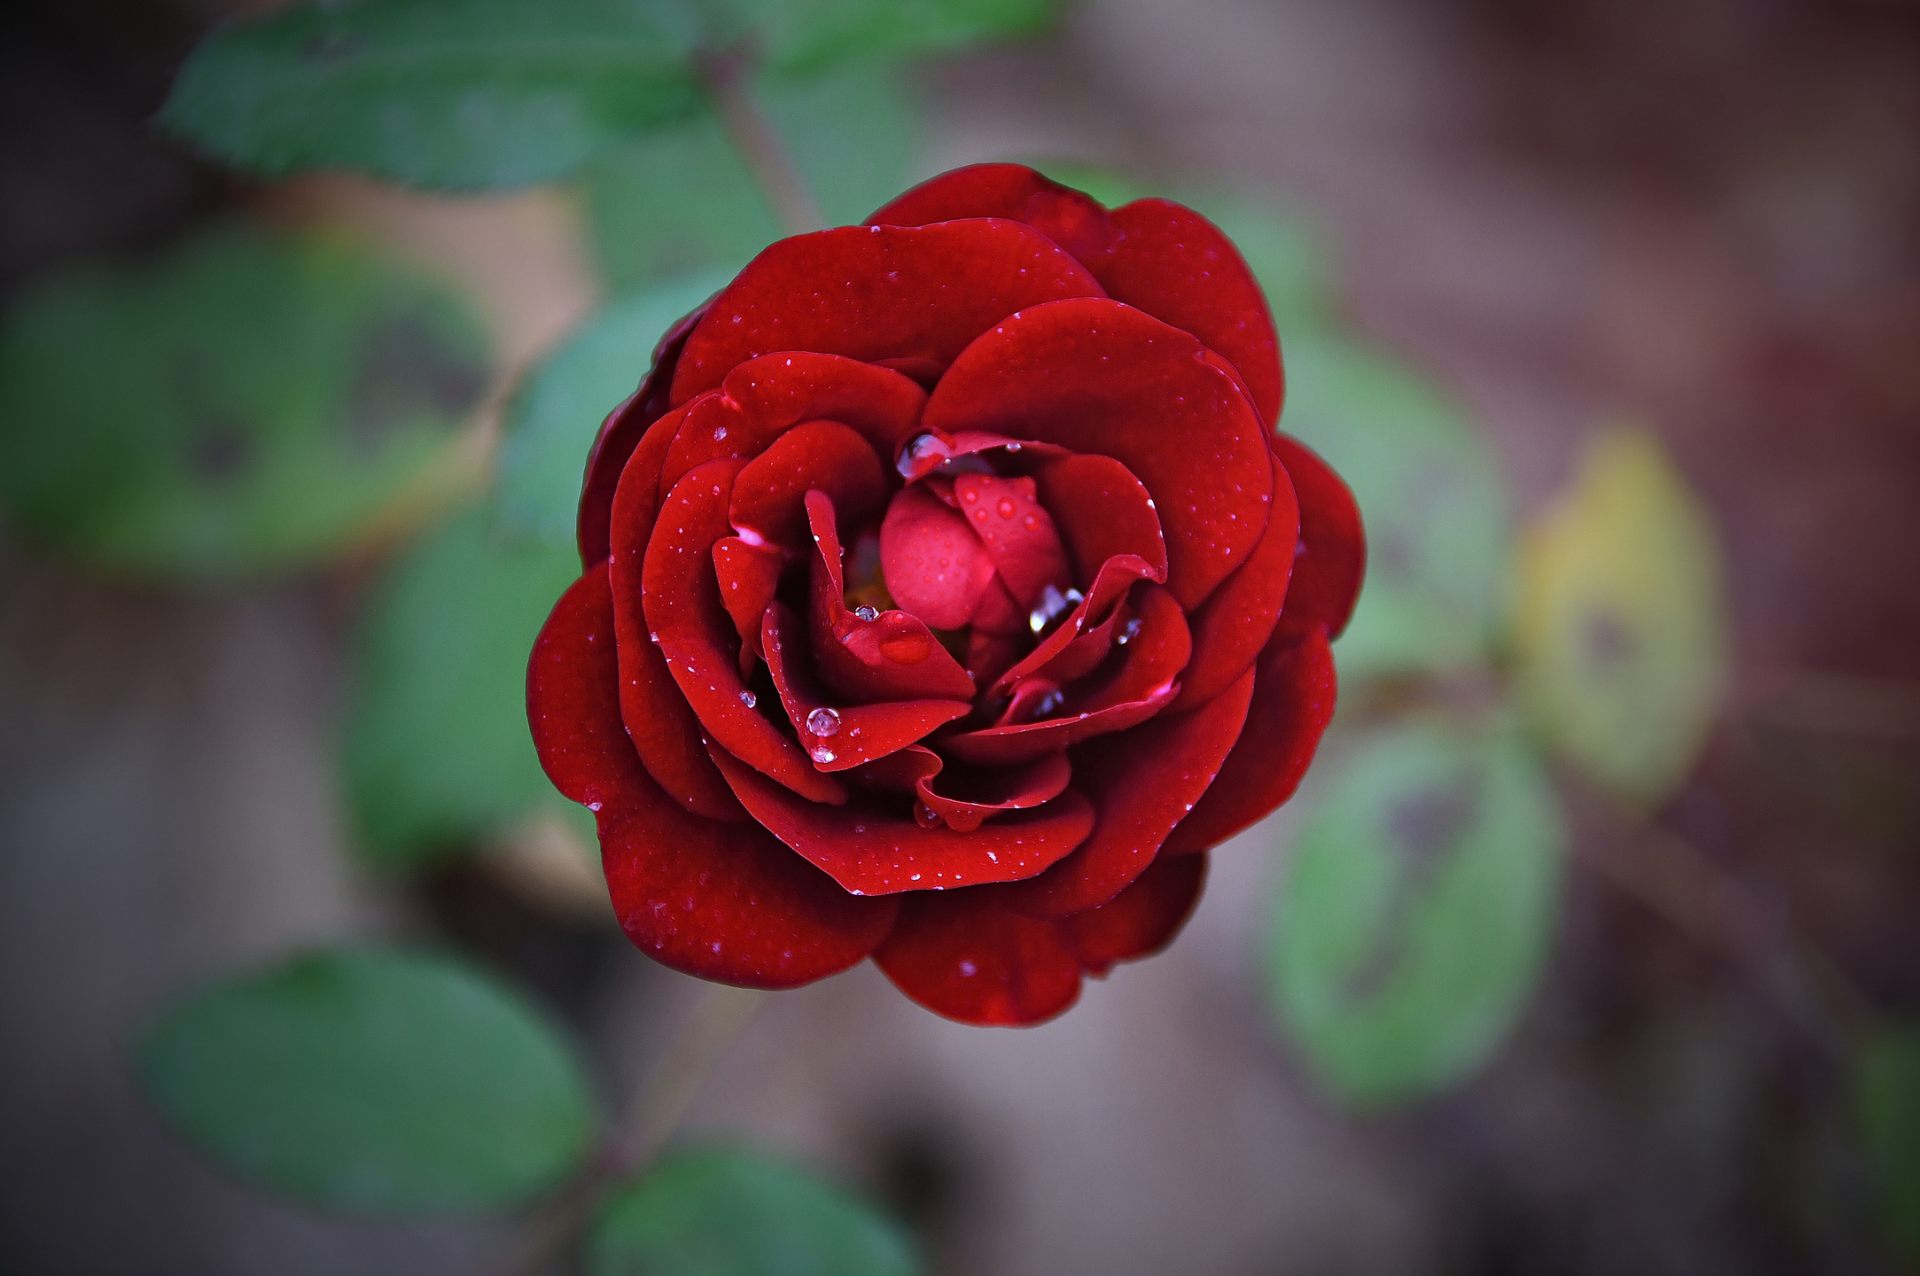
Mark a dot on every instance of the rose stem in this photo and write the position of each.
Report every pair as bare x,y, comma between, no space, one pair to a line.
758,143
674,1080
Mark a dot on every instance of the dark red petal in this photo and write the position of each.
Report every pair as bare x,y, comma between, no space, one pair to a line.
1333,547
891,657
764,398
1100,510
1155,255
1073,220
990,793
662,725
967,956
1097,376
1141,919
696,637
619,435
1007,516
841,737
878,292
768,497
1232,627
1178,267
1141,785
1071,649
870,852
721,901
1142,685
1293,696
749,576
934,566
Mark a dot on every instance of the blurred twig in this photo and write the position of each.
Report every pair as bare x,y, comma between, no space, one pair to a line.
757,140
716,1021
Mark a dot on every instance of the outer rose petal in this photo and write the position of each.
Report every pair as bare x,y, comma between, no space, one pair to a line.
1333,547
1101,510
865,292
1142,918
1293,697
1232,627
721,901
871,853
619,434
967,956
1155,255
1097,376
1142,784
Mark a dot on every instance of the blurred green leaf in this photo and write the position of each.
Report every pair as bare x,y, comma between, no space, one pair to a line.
1619,626
248,403
1886,1103
680,197
436,746
453,93
1416,910
554,415
1435,508
810,35
718,1212
373,1082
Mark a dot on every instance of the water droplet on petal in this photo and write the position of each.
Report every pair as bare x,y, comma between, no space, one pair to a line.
1006,507
719,433
923,452
748,699
925,816
866,613
1053,604
823,722
1127,632
820,753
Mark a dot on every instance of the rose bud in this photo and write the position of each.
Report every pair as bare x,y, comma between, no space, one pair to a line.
948,594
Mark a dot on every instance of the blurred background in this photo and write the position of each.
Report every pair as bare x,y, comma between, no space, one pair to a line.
1591,943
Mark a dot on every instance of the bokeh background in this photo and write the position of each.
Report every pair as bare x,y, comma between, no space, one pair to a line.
1610,311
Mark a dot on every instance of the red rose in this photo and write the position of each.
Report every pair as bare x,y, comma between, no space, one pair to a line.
947,596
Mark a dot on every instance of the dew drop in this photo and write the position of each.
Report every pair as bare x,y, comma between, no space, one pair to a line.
1127,632
1006,507
1013,447
1053,604
820,753
748,699
922,453
866,613
925,816
823,722
908,648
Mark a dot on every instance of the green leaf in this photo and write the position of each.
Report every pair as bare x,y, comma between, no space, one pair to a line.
1438,535
554,415
1416,911
449,93
374,1082
719,1212
811,35
680,197
1619,620
1886,1104
436,746
248,403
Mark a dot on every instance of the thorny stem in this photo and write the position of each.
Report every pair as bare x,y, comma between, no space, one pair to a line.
716,1021
753,135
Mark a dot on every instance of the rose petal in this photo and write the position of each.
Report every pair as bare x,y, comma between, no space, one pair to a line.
871,852
1142,919
748,575
619,435
1232,627
662,724
763,398
877,292
769,496
1293,696
894,656
1019,536
991,793
1155,255
1141,785
934,566
721,901
695,636
967,956
1098,376
1333,547
1101,511
859,733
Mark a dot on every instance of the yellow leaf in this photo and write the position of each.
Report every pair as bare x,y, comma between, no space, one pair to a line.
1619,620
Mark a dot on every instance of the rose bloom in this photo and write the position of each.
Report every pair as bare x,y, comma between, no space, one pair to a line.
947,595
